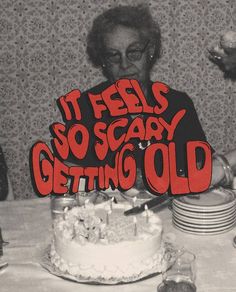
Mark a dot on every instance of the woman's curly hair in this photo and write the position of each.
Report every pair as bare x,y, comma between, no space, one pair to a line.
137,17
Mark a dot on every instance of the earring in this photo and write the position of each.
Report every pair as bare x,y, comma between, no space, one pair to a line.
151,56
103,66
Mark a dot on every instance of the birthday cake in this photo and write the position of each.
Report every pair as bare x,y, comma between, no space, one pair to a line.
98,242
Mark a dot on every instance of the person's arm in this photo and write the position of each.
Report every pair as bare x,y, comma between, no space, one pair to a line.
218,168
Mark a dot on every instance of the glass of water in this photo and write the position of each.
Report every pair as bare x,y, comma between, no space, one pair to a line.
179,272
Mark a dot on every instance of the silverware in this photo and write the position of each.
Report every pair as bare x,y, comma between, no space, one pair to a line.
150,204
158,201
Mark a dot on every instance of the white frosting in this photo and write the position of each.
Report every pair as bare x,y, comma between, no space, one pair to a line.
85,245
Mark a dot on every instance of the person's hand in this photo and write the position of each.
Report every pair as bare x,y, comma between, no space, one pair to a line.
229,61
218,172
224,53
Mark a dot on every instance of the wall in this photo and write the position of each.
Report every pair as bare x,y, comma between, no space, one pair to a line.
42,56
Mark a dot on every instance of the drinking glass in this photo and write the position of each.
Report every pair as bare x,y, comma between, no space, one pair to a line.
179,272
60,203
82,195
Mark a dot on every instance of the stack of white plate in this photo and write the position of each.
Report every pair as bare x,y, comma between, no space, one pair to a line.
211,212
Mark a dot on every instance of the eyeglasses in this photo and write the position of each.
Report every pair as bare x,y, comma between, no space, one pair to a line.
131,54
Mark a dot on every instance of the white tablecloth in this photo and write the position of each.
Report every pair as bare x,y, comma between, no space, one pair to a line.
27,226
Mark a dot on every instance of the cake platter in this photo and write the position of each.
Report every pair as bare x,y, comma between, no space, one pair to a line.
148,273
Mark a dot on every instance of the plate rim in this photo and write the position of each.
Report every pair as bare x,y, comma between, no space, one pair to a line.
220,190
203,218
205,209
204,230
204,233
195,214
200,226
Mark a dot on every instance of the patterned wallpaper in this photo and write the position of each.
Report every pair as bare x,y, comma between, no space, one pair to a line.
42,56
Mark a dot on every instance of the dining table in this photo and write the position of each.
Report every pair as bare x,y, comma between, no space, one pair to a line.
27,226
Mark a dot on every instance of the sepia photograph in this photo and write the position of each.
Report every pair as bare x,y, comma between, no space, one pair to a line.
118,145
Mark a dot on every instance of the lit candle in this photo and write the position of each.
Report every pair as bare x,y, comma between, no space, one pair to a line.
133,201
101,229
147,214
107,217
86,202
135,226
65,210
111,201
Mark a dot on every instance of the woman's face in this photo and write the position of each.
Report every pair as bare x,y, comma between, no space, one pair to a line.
126,55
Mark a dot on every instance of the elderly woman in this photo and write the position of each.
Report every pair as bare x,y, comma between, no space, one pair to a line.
125,43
